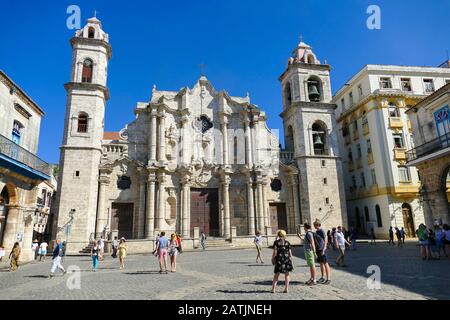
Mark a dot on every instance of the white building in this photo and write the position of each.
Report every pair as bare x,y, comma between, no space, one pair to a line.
374,134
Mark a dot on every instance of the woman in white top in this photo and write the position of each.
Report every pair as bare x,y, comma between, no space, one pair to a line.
258,243
43,251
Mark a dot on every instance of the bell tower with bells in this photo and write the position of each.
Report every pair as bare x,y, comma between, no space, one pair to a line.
309,123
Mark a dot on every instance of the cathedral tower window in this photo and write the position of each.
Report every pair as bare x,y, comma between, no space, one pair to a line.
319,138
289,139
17,131
82,123
311,59
288,94
91,33
87,71
314,89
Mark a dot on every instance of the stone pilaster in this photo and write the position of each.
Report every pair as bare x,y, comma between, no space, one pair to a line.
161,201
226,206
153,134
162,136
185,210
260,206
102,215
139,220
251,206
248,146
150,220
224,123
12,226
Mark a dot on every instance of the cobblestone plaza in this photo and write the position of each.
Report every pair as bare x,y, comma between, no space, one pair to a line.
233,275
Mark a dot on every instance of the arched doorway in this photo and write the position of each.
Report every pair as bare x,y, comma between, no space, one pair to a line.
408,220
445,188
8,196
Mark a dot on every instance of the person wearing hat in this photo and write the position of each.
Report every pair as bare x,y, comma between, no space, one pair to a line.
122,249
34,248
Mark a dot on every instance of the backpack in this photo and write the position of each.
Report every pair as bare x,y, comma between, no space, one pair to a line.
318,241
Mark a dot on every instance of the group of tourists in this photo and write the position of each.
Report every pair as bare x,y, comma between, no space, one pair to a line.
400,234
38,249
434,241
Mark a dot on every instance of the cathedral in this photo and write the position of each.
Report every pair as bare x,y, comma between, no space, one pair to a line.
197,159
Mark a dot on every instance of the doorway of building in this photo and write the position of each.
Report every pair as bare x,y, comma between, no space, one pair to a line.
122,219
278,217
205,211
408,220
4,200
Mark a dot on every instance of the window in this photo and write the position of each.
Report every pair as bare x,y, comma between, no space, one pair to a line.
82,123
369,146
385,83
17,131
378,212
406,84
393,111
324,163
354,182
350,97
235,150
350,155
374,176
77,174
358,147
314,89
398,141
403,173
327,200
276,185
87,71
319,139
363,179
288,94
91,33
360,91
429,86
447,81
366,213
343,103
325,181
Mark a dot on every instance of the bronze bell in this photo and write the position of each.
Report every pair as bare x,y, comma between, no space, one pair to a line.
313,93
318,141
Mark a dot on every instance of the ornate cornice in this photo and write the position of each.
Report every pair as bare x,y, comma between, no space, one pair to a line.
87,86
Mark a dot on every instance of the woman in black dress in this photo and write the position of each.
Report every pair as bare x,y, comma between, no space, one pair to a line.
282,260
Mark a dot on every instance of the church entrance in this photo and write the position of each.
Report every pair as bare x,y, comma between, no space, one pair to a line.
122,219
408,220
278,217
205,211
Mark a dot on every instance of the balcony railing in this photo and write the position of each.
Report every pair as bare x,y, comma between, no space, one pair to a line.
395,122
16,152
430,147
286,156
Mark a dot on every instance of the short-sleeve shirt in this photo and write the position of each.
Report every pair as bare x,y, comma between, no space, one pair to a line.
58,251
163,243
308,238
258,240
44,246
340,238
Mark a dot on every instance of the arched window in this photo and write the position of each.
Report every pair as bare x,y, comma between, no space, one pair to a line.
235,150
314,89
366,213
394,112
319,132
172,204
311,59
378,213
288,94
88,66
91,33
289,140
358,218
82,123
17,131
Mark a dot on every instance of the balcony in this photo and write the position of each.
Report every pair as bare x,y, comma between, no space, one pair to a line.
395,122
19,160
436,145
399,154
370,158
366,128
286,157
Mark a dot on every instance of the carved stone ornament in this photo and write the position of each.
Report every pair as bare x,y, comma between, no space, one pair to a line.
123,134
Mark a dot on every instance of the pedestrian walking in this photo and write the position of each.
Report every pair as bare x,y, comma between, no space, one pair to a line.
162,246
95,250
341,242
434,254
122,249
372,237
325,269
43,250
309,248
258,244
203,240
101,247
115,246
14,257
333,242
282,260
35,248
440,235
179,243
173,252
398,234
56,259
422,235
391,236
403,233
329,239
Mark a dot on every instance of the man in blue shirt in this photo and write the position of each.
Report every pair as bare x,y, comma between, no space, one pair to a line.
56,259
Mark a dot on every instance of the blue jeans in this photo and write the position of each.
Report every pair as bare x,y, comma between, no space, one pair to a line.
95,262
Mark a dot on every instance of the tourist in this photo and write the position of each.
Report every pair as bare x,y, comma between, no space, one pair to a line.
14,257
333,234
115,245
35,248
329,239
372,237
94,255
346,236
101,247
122,249
353,237
179,244
403,232
340,243
325,269
391,236
155,252
310,251
173,252
398,234
56,259
282,260
161,248
446,239
440,234
422,235
43,250
203,240
258,243
434,254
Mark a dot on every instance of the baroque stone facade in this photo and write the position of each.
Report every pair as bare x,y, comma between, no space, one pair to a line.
193,160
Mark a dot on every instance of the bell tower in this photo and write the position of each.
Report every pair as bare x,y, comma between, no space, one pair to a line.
83,133
310,134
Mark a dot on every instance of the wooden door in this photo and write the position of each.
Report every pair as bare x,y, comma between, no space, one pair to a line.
205,211
122,219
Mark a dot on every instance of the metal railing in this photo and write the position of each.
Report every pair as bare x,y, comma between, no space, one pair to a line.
430,147
286,156
16,152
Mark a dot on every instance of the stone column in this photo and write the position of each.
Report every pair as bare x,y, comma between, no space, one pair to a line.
264,205
260,214
153,136
12,226
184,208
28,221
224,122
226,206
150,219
162,136
160,213
248,147
251,207
102,218
296,202
139,226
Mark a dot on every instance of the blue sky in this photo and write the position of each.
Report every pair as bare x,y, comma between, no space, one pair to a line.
245,45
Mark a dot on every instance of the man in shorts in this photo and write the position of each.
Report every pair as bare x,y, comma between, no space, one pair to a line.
325,269
310,253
